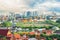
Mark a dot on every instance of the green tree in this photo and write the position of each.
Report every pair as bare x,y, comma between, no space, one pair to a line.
7,24
58,21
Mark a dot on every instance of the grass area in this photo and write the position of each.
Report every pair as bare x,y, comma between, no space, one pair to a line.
32,24
47,24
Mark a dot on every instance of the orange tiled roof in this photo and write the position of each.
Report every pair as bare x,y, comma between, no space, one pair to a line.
9,35
17,36
32,33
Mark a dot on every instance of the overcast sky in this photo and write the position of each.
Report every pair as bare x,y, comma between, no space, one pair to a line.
17,5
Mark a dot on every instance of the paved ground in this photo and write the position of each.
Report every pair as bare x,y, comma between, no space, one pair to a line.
32,39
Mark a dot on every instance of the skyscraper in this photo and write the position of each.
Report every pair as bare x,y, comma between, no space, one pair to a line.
28,14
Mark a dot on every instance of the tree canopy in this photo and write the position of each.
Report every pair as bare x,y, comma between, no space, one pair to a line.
7,24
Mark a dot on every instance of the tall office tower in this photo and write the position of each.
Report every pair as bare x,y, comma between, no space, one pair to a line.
35,13
28,14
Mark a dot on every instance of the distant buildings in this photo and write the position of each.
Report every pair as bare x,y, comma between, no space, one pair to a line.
30,15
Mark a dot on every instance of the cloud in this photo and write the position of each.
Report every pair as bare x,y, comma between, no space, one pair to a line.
21,5
57,0
55,9
12,4
50,5
32,3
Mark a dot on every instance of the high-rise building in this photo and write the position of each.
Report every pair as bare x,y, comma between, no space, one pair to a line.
28,14
35,13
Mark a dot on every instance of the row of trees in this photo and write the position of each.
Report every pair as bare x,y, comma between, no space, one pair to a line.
6,24
53,23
